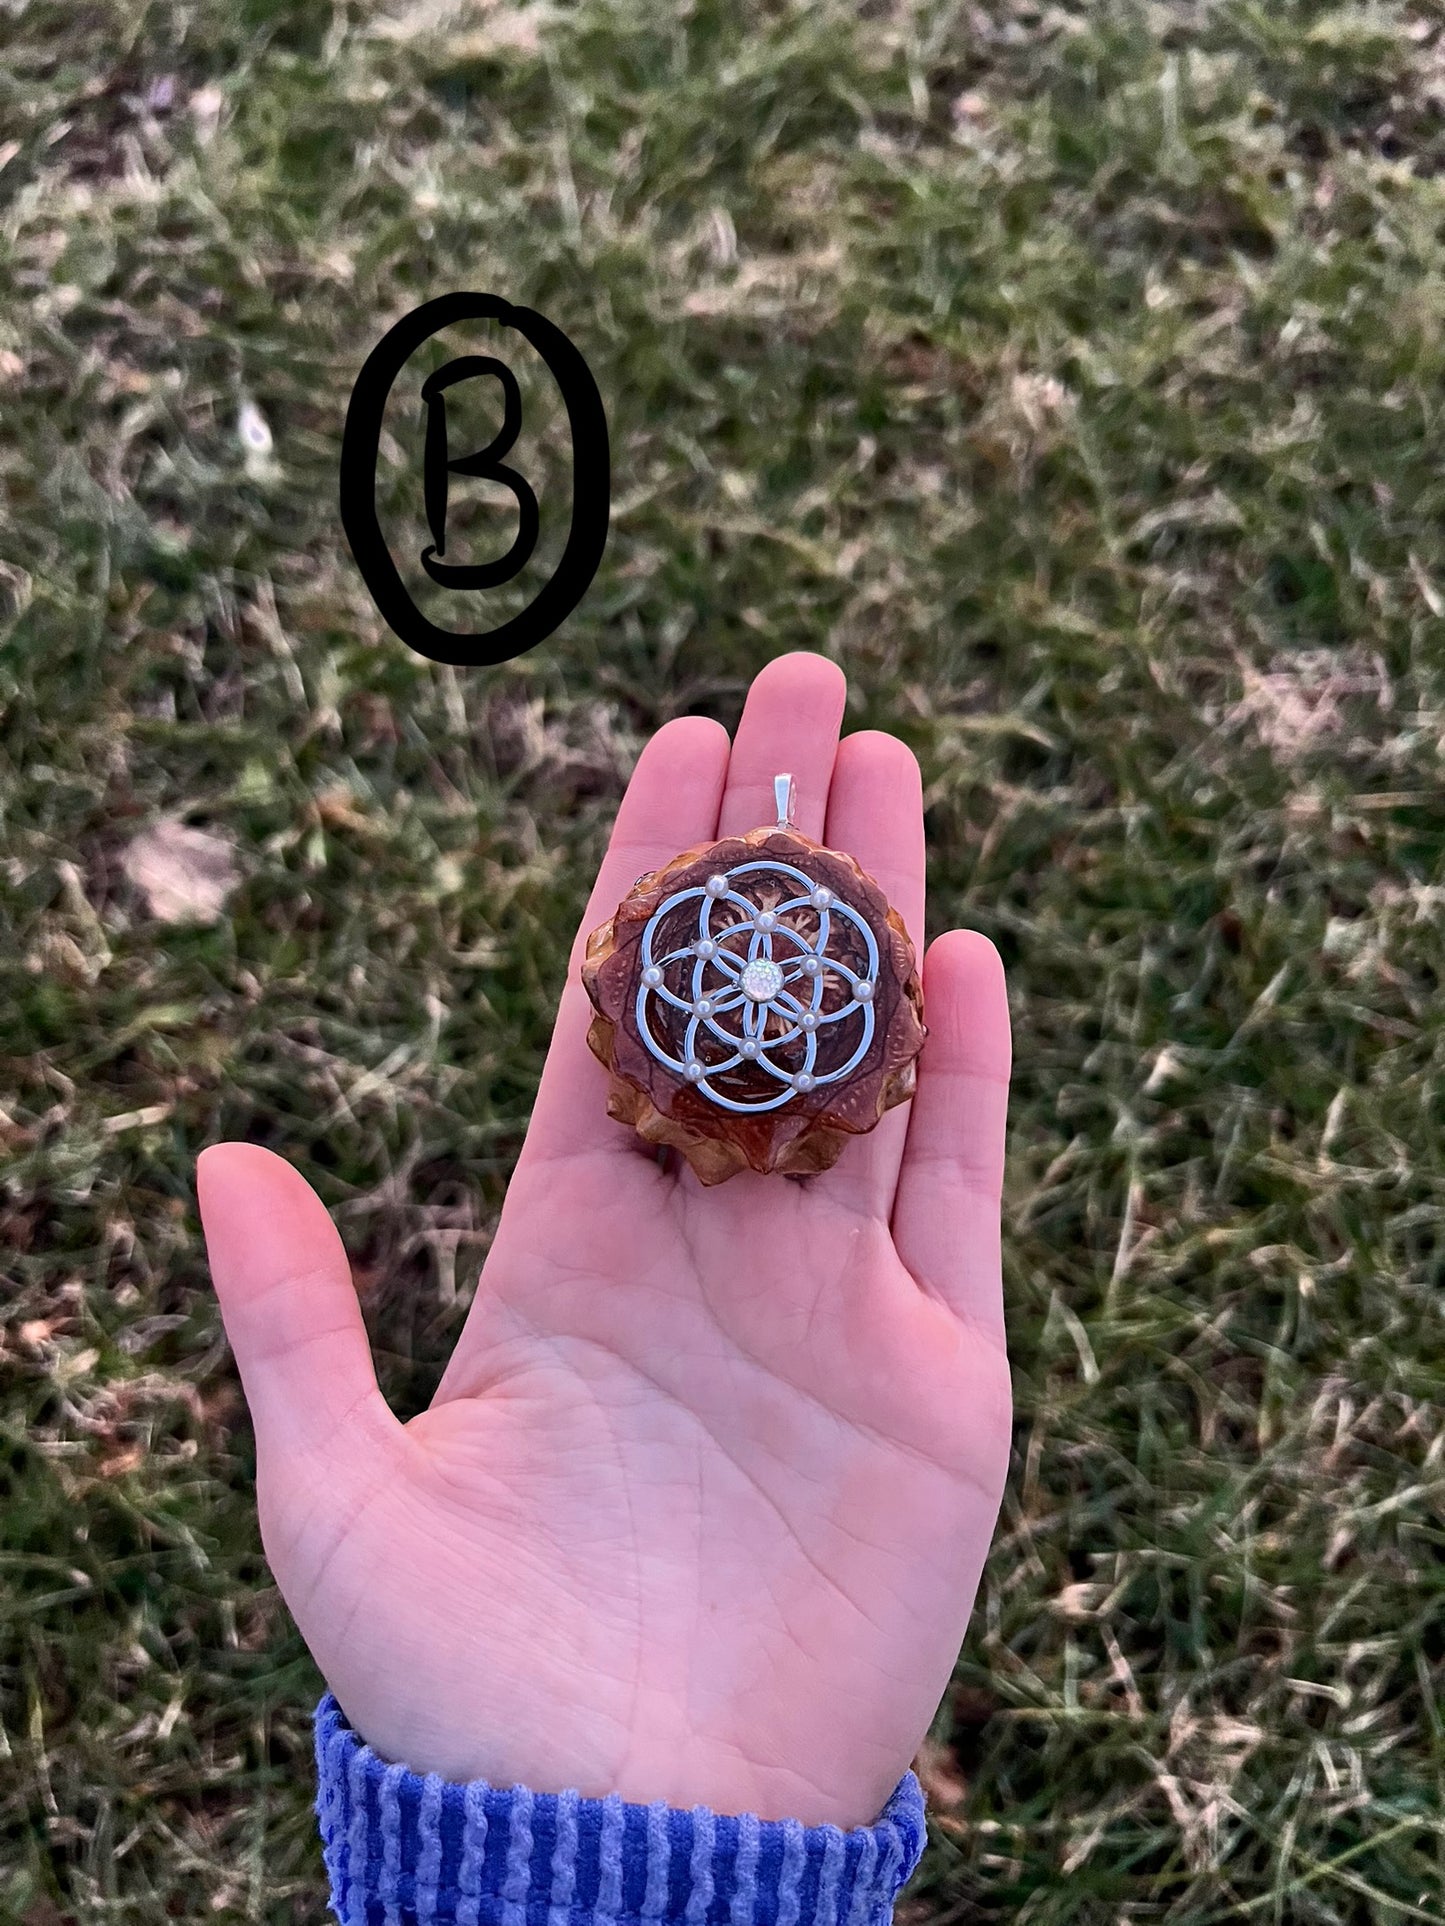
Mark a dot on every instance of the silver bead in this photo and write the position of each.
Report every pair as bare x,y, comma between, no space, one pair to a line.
717,885
705,948
821,897
811,965
748,1049
802,1081
863,990
809,1019
767,920
694,1071
652,977
703,1006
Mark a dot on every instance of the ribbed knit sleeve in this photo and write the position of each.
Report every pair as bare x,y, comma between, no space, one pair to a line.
402,1849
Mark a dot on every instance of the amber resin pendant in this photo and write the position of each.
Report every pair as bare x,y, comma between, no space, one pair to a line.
757,1003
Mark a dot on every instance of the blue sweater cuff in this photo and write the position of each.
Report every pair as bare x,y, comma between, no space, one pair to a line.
403,1849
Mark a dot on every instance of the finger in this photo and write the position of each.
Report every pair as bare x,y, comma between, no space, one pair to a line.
875,814
670,804
946,1215
789,726
290,1310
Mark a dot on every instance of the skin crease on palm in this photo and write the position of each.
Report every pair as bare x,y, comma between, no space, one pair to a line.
700,1508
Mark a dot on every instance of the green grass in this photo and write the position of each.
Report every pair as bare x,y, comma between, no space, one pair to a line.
1072,375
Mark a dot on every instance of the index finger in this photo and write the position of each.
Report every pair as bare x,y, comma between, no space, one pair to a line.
671,803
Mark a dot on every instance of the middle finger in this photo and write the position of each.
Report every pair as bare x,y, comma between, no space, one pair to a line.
789,726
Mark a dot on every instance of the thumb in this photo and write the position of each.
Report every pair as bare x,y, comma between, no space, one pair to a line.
289,1306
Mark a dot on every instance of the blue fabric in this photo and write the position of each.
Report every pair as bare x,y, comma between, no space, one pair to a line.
402,1849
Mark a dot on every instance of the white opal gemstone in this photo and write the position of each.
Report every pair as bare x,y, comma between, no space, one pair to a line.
761,979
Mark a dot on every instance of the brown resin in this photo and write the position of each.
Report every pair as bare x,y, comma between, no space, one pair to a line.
808,1133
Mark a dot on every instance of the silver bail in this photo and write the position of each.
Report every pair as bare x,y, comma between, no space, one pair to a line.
783,797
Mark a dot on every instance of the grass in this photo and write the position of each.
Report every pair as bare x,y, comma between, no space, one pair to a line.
1071,374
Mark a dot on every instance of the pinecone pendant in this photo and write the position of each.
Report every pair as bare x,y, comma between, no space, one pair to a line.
757,1003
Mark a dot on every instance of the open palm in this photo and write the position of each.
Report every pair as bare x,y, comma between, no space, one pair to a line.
699,1510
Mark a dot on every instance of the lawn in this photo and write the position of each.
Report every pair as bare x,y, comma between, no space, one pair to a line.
1070,373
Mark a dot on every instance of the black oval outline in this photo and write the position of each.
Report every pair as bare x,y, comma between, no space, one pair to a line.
591,482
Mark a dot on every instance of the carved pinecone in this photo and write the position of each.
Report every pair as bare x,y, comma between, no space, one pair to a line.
805,1124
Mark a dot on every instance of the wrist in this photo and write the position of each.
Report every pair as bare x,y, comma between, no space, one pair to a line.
440,1851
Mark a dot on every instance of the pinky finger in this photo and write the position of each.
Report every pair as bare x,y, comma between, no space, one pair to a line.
946,1211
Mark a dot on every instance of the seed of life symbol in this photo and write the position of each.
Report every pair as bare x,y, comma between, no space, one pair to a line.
591,480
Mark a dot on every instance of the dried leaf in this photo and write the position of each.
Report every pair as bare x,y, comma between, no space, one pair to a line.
207,104
184,874
253,429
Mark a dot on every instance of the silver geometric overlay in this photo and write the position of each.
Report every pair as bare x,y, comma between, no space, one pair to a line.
763,975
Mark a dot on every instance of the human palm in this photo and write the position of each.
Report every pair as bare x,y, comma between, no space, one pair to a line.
699,1509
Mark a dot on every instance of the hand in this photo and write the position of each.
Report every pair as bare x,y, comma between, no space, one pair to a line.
699,1510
